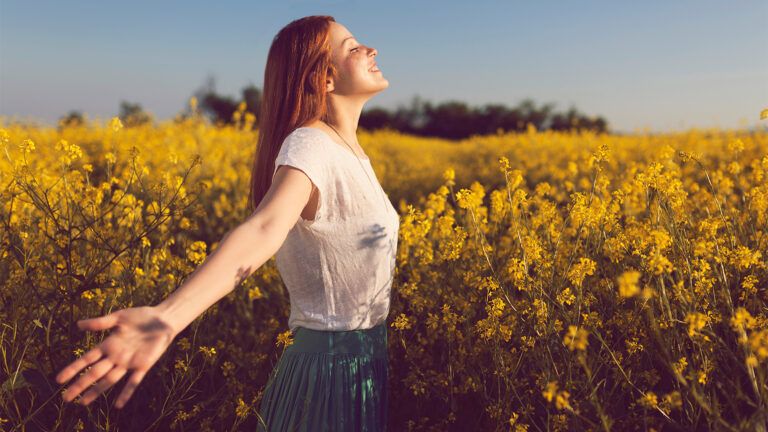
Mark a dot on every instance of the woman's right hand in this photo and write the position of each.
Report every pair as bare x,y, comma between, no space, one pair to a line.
140,338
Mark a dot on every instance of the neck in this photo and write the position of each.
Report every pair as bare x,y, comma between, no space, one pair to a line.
344,114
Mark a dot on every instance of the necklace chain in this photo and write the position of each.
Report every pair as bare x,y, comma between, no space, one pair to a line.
358,160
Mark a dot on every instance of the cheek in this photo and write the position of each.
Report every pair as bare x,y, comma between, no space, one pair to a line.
353,71
344,70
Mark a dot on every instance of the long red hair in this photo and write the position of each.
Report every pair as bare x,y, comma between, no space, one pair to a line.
298,64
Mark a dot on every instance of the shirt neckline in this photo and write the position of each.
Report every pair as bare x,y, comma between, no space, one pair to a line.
328,137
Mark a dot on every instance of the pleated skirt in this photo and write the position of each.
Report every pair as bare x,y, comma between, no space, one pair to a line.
328,381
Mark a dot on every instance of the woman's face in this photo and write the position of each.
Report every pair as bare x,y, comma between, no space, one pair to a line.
354,62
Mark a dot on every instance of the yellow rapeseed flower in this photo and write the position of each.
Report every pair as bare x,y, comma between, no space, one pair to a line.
497,307
27,146
680,365
449,175
550,391
70,151
566,296
227,368
633,345
285,338
580,270
504,162
488,284
561,400
742,319
696,321
115,124
209,353
649,400
196,252
255,293
647,293
402,322
513,418
515,179
659,263
744,257
183,344
576,338
601,155
758,343
242,408
673,399
468,199
736,146
628,283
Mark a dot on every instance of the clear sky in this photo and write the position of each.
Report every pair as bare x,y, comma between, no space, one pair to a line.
664,65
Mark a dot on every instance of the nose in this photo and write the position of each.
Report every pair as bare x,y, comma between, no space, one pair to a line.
373,51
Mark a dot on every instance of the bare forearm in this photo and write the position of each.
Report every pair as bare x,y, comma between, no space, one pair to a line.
241,251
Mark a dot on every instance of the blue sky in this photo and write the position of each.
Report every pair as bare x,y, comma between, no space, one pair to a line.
661,65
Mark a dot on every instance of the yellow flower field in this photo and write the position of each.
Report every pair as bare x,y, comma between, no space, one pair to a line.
545,281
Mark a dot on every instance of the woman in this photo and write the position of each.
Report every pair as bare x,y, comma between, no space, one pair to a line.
321,210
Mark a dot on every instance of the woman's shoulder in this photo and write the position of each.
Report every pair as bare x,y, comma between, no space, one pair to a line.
301,132
307,131
303,139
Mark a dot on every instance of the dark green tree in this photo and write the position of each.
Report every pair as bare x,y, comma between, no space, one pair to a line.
132,114
72,118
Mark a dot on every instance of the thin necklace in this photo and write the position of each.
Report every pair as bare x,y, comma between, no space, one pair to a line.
358,160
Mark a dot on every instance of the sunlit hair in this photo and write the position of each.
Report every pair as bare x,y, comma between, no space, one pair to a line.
298,64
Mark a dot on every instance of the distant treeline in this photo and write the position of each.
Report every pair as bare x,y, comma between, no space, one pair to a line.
450,120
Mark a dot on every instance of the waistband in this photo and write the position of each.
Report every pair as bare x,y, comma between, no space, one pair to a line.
369,342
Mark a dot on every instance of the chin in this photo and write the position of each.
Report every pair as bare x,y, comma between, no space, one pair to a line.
381,88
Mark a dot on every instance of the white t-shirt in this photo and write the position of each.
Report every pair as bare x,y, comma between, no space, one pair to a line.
339,267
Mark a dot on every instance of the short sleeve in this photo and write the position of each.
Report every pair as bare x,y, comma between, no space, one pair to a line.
303,151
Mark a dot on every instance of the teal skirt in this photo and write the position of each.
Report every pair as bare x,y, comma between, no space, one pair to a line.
328,381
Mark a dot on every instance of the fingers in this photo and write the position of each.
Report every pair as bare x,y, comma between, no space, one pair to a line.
97,371
130,387
74,368
98,323
108,381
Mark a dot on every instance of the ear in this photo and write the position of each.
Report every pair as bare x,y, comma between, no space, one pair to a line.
329,85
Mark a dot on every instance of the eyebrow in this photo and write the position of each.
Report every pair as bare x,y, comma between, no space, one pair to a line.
342,42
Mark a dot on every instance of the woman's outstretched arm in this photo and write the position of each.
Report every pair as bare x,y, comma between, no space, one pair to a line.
242,250
142,334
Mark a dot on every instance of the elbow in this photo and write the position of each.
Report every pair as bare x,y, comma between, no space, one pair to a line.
263,240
